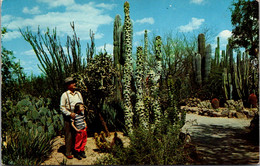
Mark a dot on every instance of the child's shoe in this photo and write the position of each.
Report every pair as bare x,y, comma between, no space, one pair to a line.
82,154
77,155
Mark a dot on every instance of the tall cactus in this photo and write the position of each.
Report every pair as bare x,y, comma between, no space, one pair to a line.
207,61
117,53
140,108
217,53
197,68
202,52
156,77
128,70
202,61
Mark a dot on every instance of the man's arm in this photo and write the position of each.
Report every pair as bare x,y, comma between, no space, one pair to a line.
63,108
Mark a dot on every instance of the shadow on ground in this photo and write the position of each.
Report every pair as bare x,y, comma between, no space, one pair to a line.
225,145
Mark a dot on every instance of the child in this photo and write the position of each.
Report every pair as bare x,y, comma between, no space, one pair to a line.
79,124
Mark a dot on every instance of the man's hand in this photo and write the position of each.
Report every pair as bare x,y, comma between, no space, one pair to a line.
73,115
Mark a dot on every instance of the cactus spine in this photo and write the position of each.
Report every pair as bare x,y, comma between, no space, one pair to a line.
140,108
128,70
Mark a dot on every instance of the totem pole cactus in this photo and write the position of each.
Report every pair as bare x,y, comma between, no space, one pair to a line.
140,108
128,70
156,76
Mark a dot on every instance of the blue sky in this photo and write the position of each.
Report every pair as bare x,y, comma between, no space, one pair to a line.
159,17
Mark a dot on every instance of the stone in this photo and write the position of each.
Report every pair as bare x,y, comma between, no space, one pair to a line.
240,115
216,114
225,112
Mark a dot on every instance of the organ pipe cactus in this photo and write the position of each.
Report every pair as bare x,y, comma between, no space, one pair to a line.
202,61
128,70
197,68
140,108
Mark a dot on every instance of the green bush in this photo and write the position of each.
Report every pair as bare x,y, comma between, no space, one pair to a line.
26,148
159,145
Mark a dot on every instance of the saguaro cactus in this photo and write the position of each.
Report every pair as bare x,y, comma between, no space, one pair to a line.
128,70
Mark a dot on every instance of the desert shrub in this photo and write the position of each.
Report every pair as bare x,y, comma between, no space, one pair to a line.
158,145
26,148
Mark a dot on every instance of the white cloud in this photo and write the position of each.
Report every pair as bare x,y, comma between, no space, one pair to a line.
223,38
195,23
149,20
85,17
108,47
225,34
106,6
196,1
57,3
34,10
141,33
11,35
29,52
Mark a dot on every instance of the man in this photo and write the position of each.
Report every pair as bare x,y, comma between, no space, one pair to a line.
67,105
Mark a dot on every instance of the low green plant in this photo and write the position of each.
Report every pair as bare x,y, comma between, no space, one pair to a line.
159,145
26,148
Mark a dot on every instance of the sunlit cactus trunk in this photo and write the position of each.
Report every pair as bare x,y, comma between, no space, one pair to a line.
140,108
128,70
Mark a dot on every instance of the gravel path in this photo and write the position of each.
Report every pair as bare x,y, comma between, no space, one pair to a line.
222,140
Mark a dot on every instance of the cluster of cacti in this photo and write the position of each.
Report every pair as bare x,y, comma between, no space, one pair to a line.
202,61
34,115
236,75
101,141
128,69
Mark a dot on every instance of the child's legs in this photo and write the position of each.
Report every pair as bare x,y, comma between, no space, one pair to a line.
84,140
78,141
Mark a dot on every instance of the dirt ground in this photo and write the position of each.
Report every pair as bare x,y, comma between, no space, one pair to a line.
92,153
218,140
222,140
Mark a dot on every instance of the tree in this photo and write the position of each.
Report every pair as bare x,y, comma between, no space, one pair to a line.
12,73
245,20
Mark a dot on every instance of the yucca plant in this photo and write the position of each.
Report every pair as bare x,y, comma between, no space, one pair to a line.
26,148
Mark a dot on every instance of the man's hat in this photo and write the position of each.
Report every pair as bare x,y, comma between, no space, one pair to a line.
69,80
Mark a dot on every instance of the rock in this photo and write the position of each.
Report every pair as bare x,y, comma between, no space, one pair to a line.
225,112
231,113
251,114
216,114
240,115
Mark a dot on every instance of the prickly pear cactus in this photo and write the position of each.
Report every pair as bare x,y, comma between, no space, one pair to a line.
128,70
